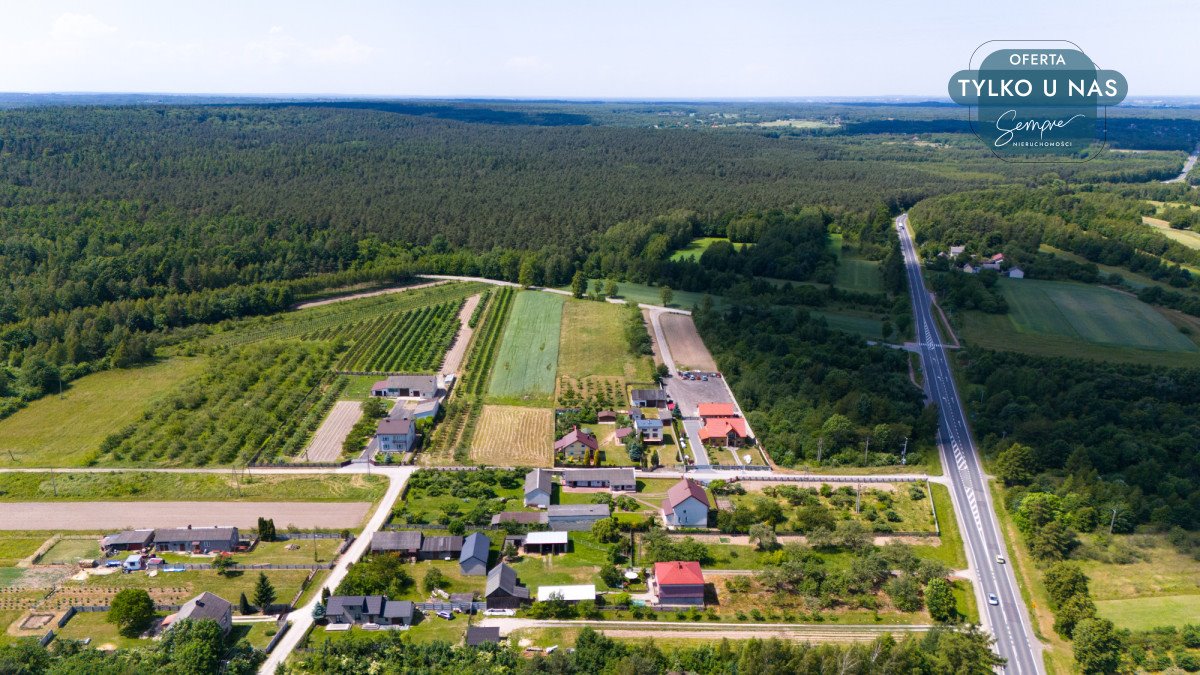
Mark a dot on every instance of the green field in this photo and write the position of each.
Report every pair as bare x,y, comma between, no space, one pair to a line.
858,275
698,246
644,294
592,342
68,551
528,359
143,486
1188,238
17,546
1147,613
68,430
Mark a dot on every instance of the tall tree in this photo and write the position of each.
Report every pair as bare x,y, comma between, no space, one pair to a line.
264,593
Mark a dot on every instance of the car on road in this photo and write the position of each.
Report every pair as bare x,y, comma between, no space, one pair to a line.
992,599
499,612
999,560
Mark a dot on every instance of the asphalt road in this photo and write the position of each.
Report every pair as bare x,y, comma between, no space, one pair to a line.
1008,621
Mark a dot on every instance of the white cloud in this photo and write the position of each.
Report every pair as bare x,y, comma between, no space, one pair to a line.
72,27
344,50
524,63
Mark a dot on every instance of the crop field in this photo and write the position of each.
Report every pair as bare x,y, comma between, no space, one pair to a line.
856,274
526,365
514,436
698,246
412,341
42,434
683,340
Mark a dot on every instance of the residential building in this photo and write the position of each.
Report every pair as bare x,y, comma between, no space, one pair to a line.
686,505
129,540
622,433
406,386
503,591
616,480
678,583
480,635
574,593
204,606
648,398
957,250
546,543
196,539
405,543
473,560
395,434
728,431
538,488
575,517
443,547
578,444
372,609
650,430
1016,273
716,410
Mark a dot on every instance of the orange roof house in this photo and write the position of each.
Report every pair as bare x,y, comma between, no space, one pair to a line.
707,410
730,431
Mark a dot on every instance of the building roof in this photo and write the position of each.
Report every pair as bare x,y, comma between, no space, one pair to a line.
205,606
717,410
504,578
607,414
648,394
719,427
478,635
644,424
622,432
521,517
174,535
577,435
569,593
624,476
418,382
448,544
686,487
677,573
998,257
475,547
403,540
398,609
538,479
401,426
462,597
128,537
544,538
577,510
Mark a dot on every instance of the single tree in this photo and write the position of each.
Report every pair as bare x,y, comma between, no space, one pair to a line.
939,597
131,611
763,537
509,552
244,607
605,530
264,593
223,563
612,577
578,284
1097,646
666,295
610,289
434,579
1063,581
318,613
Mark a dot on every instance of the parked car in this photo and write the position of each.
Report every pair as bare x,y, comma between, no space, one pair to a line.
499,612
445,615
705,378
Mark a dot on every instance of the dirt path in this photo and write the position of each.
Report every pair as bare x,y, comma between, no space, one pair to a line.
365,294
744,540
326,443
120,515
660,629
454,357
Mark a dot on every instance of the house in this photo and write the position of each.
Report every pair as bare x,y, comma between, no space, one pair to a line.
686,505
538,488
606,417
406,543
957,250
576,593
664,414
129,540
998,258
648,398
373,609
519,517
196,540
708,411
406,386
967,268
575,517
678,583
616,480
578,444
730,432
204,606
1016,273
650,430
503,590
546,543
395,434
444,547
480,635
474,557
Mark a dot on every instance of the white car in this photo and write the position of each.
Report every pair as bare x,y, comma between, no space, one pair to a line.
999,560
992,599
499,612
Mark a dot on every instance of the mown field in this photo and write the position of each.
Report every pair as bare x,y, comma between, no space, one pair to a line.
528,358
698,246
218,487
856,274
1161,587
592,342
513,436
1186,237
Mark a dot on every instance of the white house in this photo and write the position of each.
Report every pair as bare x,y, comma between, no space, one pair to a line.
686,505
395,434
537,488
1016,273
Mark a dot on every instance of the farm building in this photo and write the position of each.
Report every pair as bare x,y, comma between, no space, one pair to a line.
546,542
374,609
196,540
129,540
686,505
617,480
503,590
575,517
577,444
957,250
520,517
730,432
395,434
648,398
406,386
1016,273
474,557
650,430
204,606
677,583
481,635
406,543
574,593
606,417
716,410
442,547
416,410
538,488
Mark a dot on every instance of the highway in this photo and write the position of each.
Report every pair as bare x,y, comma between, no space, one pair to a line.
1008,621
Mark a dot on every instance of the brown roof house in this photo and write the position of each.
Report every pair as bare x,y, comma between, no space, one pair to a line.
395,434
578,445
406,543
686,505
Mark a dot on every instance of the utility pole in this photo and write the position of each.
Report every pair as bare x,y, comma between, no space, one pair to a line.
857,498
866,448
820,447
1112,523
904,453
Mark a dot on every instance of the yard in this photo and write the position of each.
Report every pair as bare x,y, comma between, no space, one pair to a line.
109,401
883,507
514,436
580,565
290,552
103,635
528,358
179,587
136,485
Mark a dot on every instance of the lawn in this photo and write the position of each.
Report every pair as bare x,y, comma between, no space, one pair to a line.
698,246
528,358
514,436
458,583
144,486
1148,613
861,276
179,587
69,551
580,565
16,546
592,342
95,625
107,401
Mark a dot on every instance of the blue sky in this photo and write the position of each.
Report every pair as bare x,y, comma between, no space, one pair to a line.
605,49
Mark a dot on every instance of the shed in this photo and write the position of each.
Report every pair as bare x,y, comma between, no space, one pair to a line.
478,635
547,542
474,557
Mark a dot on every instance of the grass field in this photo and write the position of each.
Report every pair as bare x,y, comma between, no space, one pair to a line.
650,295
528,358
17,546
106,402
95,625
1185,237
144,486
856,274
514,436
1147,613
698,246
592,342
68,551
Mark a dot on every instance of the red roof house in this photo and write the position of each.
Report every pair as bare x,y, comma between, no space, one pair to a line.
730,431
678,583
709,410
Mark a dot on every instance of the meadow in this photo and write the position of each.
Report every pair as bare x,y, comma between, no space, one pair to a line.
526,364
592,342
698,246
1186,237
145,486
859,275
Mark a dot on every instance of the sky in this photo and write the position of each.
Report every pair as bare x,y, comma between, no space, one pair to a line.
570,49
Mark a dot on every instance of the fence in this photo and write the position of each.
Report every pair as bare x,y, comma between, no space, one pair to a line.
47,638
470,607
284,536
281,628
258,566
303,587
